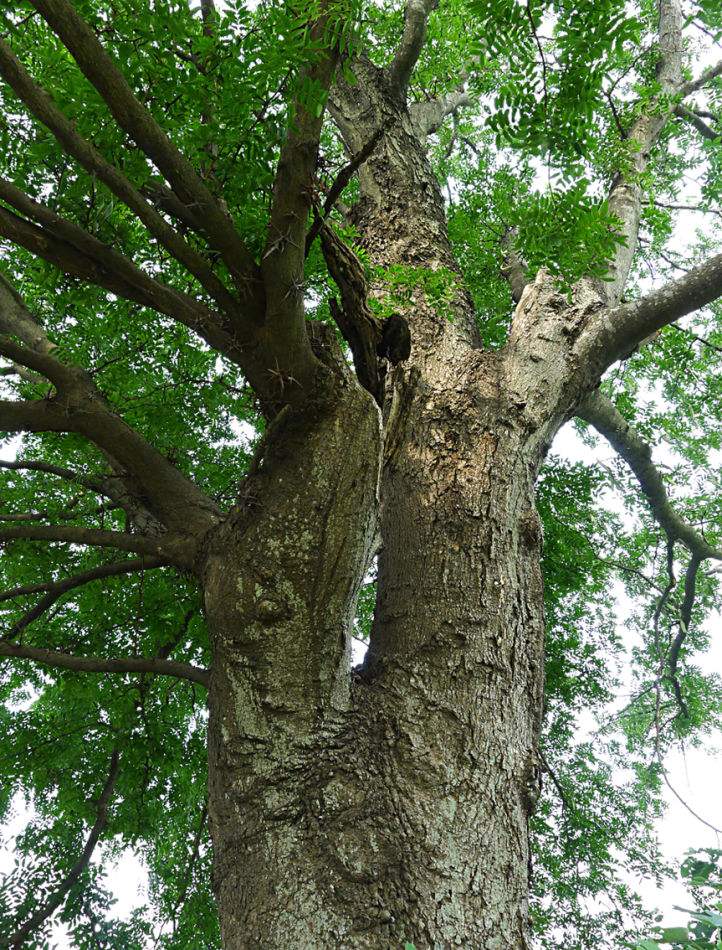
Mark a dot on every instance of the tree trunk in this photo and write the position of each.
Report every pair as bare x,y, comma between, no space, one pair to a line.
387,804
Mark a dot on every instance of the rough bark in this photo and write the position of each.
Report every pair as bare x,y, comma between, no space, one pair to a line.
369,807
391,804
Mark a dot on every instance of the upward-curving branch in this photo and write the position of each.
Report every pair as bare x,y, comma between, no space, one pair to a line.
42,107
80,407
618,331
412,41
135,119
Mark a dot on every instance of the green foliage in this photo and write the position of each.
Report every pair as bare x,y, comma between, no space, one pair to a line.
702,872
551,90
439,287
524,168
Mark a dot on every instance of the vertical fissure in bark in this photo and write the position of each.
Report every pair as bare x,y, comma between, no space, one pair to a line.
371,807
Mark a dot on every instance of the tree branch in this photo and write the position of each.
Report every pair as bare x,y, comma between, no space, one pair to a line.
685,617
341,180
412,41
80,407
626,194
48,908
77,580
620,330
428,116
97,664
169,547
98,485
606,419
83,256
284,254
41,105
56,589
712,72
133,117
679,207
692,118
513,269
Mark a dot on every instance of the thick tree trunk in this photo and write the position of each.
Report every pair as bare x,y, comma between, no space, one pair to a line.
398,810
389,804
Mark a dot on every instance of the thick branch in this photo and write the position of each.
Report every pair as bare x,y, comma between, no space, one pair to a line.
428,115
97,664
412,42
619,331
626,194
44,109
606,419
285,251
137,121
48,908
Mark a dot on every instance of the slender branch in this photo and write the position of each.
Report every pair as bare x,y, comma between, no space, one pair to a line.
86,258
97,664
56,589
77,580
684,803
681,207
133,117
48,908
685,617
97,485
712,72
692,118
606,418
165,547
412,40
170,203
513,269
694,336
41,105
188,875
70,513
342,179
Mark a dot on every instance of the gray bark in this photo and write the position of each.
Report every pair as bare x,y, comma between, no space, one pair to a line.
367,808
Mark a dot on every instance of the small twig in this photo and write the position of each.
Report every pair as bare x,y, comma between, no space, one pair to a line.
342,180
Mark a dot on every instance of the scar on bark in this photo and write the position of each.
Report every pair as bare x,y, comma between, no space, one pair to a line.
370,338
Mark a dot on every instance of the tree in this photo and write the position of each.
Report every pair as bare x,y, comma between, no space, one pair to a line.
230,221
